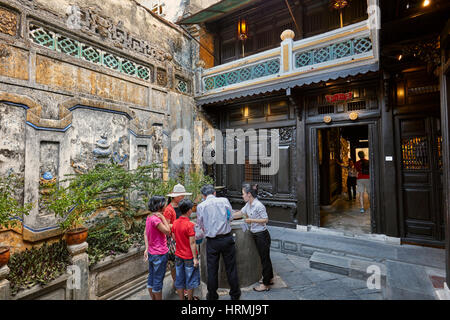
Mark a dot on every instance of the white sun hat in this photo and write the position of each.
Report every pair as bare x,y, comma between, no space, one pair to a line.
178,190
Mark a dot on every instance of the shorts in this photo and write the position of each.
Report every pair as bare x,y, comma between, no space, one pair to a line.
188,277
171,244
363,185
157,264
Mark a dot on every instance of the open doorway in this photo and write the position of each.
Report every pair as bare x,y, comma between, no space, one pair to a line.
344,166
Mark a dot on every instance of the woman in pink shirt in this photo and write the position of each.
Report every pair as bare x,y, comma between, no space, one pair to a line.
156,229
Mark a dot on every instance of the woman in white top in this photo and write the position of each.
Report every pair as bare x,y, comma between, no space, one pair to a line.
257,218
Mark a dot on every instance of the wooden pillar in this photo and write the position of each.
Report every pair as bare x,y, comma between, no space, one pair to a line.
389,223
300,178
445,126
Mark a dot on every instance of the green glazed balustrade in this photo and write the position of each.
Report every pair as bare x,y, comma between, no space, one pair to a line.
333,52
260,70
83,51
182,86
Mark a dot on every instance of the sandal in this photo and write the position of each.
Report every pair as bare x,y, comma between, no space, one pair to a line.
261,290
271,282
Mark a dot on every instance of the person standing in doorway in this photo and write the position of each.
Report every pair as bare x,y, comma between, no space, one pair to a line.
363,181
213,218
171,214
257,218
351,178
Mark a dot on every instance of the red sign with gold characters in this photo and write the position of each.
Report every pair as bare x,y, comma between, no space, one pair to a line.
338,97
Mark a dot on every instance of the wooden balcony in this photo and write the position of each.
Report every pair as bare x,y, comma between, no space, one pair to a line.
345,51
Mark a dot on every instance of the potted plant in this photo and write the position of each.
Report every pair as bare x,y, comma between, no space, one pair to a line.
194,183
10,208
73,204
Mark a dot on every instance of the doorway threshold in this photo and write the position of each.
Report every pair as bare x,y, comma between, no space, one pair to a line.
368,236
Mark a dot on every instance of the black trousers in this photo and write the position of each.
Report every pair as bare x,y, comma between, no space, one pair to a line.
214,248
262,241
351,185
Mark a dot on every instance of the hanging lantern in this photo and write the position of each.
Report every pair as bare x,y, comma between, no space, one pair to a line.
243,33
242,29
340,5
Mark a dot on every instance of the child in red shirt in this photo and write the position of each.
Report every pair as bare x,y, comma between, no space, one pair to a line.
186,259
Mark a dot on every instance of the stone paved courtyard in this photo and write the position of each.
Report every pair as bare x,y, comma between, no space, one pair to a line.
411,272
294,280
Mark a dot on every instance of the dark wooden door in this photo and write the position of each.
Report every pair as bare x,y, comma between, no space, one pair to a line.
420,178
330,173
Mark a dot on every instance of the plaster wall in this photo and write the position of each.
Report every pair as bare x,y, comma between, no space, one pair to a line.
61,113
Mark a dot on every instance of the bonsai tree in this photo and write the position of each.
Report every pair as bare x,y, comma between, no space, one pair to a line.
74,199
9,206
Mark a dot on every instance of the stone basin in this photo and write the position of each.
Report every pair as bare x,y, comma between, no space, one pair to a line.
247,259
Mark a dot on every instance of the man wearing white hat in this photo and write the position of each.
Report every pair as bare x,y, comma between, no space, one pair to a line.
171,213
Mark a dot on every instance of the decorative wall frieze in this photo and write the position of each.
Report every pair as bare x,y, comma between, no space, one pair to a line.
92,21
34,111
8,22
70,46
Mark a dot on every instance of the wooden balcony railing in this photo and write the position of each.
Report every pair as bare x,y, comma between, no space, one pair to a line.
350,46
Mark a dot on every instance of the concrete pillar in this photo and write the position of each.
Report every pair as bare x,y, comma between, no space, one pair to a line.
287,44
79,281
4,283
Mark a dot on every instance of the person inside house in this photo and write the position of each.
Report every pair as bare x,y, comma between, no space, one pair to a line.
156,229
213,218
363,180
186,254
257,217
172,213
352,177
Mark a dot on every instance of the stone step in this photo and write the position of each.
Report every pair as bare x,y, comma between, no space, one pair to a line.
305,243
351,267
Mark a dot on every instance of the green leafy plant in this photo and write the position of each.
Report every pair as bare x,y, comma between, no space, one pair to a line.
111,237
9,205
104,185
37,266
194,182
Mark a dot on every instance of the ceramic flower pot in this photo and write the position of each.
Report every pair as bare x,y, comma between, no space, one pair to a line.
76,236
4,255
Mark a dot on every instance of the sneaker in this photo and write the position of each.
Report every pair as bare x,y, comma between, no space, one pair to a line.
361,210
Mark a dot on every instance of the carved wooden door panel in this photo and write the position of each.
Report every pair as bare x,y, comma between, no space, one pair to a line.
420,178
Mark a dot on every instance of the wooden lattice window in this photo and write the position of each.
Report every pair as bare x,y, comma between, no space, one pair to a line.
415,153
359,105
253,173
326,109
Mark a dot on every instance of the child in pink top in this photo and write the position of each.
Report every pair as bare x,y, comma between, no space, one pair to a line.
156,229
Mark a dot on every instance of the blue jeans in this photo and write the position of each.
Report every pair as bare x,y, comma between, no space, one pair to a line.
157,264
188,277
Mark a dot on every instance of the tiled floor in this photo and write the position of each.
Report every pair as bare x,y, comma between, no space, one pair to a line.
345,216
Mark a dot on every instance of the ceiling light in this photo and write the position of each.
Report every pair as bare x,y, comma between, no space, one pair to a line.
426,3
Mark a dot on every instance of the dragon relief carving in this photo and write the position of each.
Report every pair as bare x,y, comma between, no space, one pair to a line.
92,21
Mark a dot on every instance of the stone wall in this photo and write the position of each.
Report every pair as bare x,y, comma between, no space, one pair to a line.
83,82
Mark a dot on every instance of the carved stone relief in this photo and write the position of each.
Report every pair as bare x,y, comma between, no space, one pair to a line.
8,22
